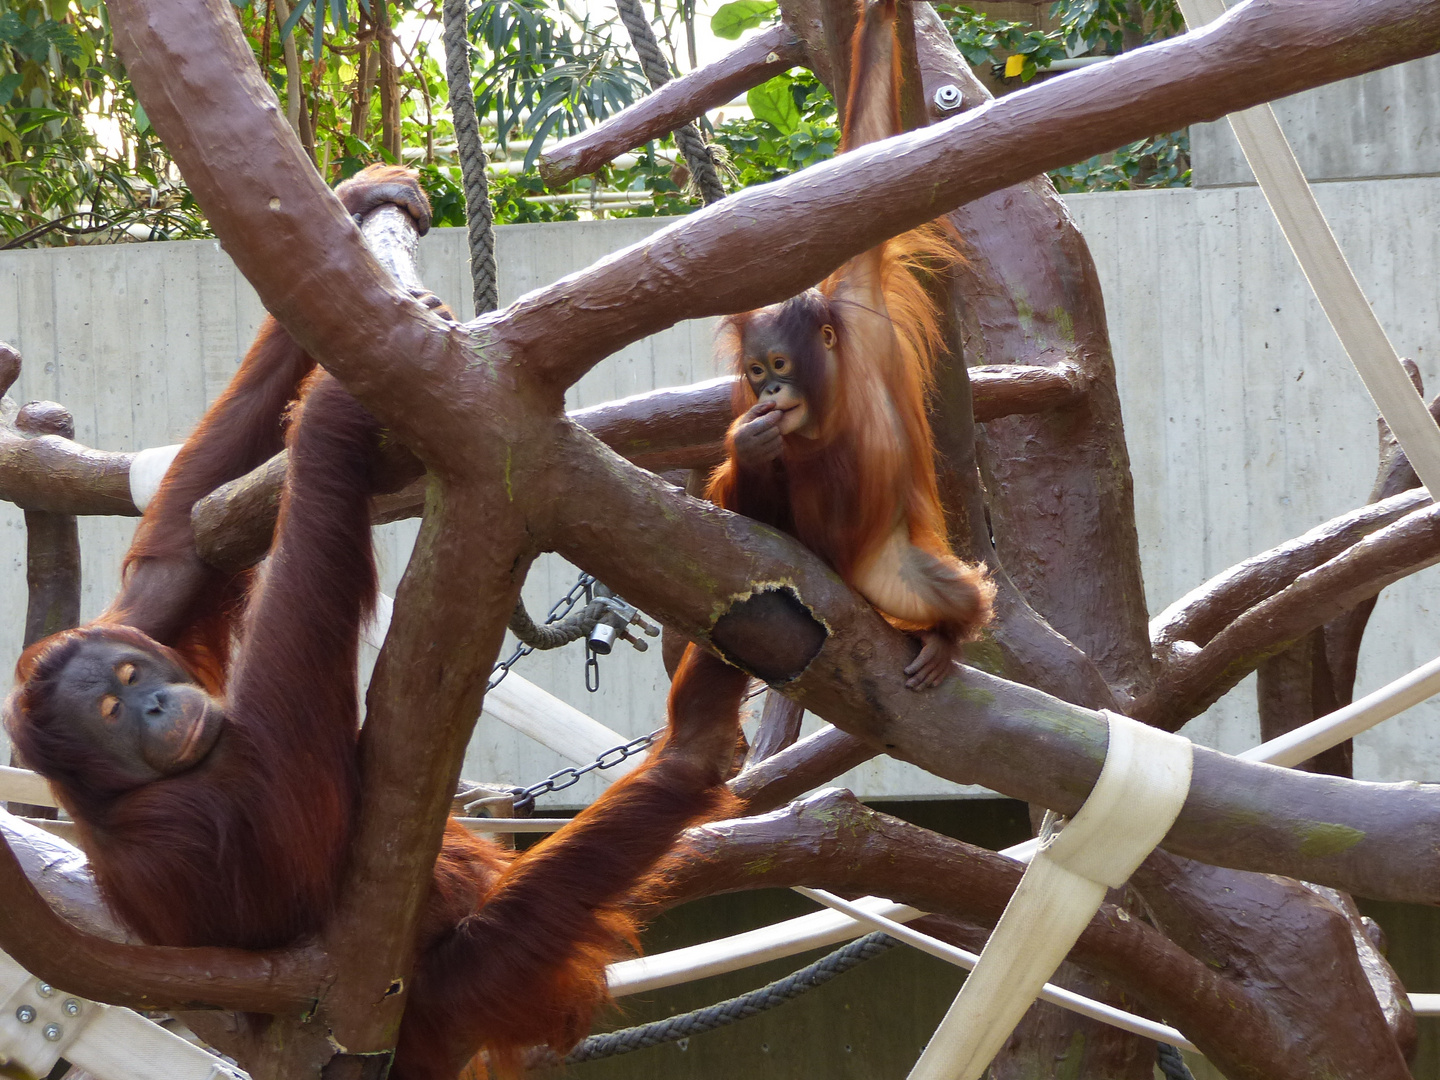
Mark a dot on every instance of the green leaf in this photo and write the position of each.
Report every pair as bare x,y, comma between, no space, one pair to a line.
8,85
13,29
142,120
733,19
774,103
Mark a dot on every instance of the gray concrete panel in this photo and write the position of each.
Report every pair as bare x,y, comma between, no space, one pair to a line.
1380,124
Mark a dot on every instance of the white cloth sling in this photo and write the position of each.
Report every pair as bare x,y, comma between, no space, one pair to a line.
1141,789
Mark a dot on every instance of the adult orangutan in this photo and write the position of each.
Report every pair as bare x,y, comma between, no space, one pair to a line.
215,796
831,441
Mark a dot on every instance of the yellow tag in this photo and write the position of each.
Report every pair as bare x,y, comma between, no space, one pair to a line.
1014,65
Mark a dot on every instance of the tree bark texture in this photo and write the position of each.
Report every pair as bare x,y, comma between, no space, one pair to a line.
480,406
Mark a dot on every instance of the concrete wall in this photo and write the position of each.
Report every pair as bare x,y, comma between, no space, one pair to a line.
1245,424
1381,124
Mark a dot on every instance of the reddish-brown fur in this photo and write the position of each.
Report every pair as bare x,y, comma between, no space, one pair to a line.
870,469
247,848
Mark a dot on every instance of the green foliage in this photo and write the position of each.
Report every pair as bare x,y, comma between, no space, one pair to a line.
986,41
793,125
548,76
1106,27
57,182
1159,162
733,19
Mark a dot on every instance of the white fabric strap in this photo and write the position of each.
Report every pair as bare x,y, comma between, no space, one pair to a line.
40,1024
147,469
1141,789
1309,236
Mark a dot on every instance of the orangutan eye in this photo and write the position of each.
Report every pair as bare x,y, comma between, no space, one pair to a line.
756,371
109,706
127,674
779,363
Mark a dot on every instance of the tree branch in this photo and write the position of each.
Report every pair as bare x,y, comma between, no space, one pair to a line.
832,841
767,604
1200,614
1010,389
676,103
450,616
1193,681
148,976
770,242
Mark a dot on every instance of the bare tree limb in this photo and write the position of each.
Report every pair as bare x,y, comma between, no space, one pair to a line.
1010,389
832,841
1200,614
767,604
52,541
814,760
1193,681
148,976
676,103
674,428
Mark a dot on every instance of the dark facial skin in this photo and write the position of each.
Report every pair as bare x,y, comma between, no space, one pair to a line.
780,408
149,719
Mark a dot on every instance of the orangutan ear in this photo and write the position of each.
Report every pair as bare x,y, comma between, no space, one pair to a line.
827,335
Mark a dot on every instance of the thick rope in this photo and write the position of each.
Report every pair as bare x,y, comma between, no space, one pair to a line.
561,632
657,72
1172,1063
479,216
736,1008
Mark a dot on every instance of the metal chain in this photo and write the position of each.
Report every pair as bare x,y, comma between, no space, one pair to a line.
562,608
571,774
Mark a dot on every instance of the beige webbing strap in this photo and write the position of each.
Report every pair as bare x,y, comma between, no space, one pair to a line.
1308,233
1141,788
147,469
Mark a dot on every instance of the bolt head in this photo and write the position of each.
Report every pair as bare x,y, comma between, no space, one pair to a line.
52,1032
948,97
25,1014
44,989
71,1007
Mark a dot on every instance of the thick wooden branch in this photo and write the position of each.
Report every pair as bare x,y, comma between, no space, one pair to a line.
1011,389
450,617
679,427
148,976
56,475
274,216
770,606
1194,681
1295,946
814,760
678,102
832,841
770,242
1200,614
52,541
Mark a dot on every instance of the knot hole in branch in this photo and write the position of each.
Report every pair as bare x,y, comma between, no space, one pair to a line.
771,634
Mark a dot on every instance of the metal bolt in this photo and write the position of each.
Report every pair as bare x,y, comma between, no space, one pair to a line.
52,1032
44,989
25,1014
947,97
71,1007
